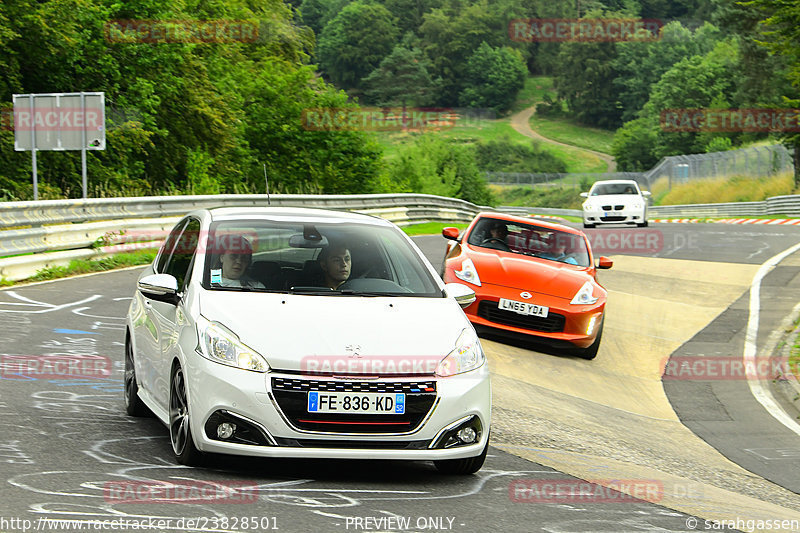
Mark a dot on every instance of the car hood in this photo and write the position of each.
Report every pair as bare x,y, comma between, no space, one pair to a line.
346,334
615,199
530,274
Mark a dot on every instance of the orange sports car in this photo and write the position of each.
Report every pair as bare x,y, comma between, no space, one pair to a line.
530,277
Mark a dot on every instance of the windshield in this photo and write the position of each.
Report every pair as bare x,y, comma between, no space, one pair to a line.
602,189
530,239
320,259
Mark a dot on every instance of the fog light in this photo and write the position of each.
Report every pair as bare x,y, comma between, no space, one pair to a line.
467,435
225,430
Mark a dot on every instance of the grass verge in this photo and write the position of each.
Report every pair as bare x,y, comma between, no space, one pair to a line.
86,266
430,228
566,131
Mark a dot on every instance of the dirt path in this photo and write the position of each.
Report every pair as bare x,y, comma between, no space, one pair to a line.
521,122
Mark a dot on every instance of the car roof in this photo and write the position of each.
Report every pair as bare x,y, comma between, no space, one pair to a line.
298,214
622,182
528,220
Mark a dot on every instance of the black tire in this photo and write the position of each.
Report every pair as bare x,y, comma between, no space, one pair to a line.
462,467
591,352
588,226
134,405
643,224
180,431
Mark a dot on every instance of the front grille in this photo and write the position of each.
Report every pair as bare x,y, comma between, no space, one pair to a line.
291,394
606,208
553,323
613,219
619,207
355,444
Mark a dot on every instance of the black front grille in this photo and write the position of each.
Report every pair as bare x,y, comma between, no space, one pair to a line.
619,207
613,219
553,323
606,208
355,444
292,397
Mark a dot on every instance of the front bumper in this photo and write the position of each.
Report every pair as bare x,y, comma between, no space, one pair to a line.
577,325
253,402
614,215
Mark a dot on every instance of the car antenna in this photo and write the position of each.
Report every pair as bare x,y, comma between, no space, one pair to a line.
266,180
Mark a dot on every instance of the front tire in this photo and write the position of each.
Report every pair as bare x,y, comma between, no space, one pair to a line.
588,226
591,352
180,431
134,406
462,467
643,224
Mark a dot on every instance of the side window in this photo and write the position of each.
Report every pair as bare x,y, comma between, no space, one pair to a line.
169,244
183,253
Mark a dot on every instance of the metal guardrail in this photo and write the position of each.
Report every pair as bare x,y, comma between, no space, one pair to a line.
71,224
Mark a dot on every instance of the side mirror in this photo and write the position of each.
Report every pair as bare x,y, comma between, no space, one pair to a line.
450,233
645,193
462,294
584,195
160,287
604,262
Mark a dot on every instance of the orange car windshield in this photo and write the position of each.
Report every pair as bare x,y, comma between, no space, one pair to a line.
531,240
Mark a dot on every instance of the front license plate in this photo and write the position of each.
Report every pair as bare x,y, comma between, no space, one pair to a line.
364,403
523,308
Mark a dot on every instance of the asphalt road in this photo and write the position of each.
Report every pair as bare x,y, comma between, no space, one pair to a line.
67,443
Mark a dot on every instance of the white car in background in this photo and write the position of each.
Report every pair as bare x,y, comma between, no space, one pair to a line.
267,359
615,202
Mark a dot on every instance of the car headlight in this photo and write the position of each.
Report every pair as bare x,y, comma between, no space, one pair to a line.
220,345
584,295
467,355
468,272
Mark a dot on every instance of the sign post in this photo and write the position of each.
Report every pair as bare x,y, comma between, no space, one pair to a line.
59,121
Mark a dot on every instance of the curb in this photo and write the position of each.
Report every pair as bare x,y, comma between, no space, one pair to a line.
786,384
768,221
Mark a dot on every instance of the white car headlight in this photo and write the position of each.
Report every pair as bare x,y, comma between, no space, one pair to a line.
584,295
220,345
468,272
467,355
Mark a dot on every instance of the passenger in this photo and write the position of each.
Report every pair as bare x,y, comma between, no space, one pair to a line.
559,253
236,255
335,262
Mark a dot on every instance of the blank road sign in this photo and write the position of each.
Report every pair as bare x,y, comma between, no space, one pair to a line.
59,121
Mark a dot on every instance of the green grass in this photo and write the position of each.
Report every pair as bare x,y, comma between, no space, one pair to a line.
566,131
723,190
85,266
534,90
558,197
794,358
430,228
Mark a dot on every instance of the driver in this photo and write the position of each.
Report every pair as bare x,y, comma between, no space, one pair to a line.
335,262
497,232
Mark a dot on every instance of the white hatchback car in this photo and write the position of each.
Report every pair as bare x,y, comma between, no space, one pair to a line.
283,332
615,202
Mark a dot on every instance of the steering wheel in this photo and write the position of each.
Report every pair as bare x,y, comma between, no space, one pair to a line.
495,240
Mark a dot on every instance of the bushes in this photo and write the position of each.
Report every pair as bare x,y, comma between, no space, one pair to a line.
503,155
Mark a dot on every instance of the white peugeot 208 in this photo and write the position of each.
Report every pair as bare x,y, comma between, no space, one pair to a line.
615,202
288,332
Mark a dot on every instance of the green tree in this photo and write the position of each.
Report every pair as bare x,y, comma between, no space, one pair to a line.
353,44
492,78
401,78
